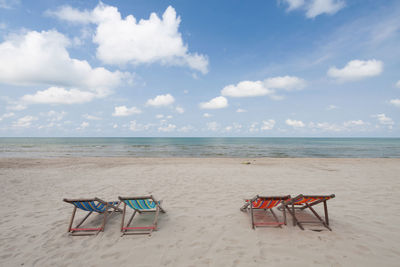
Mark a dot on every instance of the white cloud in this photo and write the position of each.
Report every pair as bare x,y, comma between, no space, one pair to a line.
383,119
167,128
17,107
268,125
58,95
398,84
215,103
7,4
213,126
3,26
180,110
91,117
134,126
327,127
6,115
83,125
24,122
353,123
54,115
395,102
332,107
161,101
266,87
357,70
207,115
246,89
186,128
169,117
314,8
126,40
240,110
115,126
295,123
159,116
122,111
254,127
41,58
287,83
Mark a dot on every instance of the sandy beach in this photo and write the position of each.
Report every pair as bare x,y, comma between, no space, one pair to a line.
203,225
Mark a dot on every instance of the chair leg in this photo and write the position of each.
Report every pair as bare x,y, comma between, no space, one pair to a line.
251,215
284,216
319,218
72,220
326,212
123,217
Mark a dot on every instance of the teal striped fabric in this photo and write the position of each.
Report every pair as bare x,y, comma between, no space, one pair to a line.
92,206
141,204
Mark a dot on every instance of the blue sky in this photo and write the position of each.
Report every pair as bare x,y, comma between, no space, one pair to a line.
200,68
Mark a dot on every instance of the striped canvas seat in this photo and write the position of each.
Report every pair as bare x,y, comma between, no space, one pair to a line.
265,203
92,205
310,199
141,204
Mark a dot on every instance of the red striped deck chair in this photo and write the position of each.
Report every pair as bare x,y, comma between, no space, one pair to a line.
139,205
91,205
266,203
302,202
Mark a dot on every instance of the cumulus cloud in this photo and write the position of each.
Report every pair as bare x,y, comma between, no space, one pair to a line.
122,111
135,126
295,123
268,125
55,115
207,115
261,88
24,122
398,84
314,8
357,70
384,120
332,107
161,101
213,126
168,128
58,95
180,110
240,110
83,125
41,58
215,103
6,115
91,117
395,102
126,40
186,128
8,4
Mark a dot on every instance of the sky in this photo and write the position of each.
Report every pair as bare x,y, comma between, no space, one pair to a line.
262,68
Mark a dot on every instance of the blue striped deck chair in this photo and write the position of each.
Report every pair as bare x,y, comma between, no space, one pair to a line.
302,202
266,203
139,205
91,205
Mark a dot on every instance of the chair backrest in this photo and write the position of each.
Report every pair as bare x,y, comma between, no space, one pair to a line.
88,204
261,202
140,204
303,199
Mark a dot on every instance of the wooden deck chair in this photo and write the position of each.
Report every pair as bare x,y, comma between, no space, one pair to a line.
139,205
91,205
302,202
266,203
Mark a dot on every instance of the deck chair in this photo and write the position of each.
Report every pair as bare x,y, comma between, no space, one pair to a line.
265,203
139,205
91,205
302,202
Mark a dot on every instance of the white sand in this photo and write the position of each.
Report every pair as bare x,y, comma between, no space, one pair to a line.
203,225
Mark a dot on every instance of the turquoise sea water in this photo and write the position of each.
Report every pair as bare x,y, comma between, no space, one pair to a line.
201,147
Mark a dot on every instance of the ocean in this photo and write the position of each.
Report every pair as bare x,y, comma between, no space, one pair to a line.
201,147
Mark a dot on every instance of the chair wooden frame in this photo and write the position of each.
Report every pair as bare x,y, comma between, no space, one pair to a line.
76,231
292,204
249,206
138,230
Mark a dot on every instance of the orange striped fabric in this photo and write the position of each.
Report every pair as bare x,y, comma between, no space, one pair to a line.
265,203
308,200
